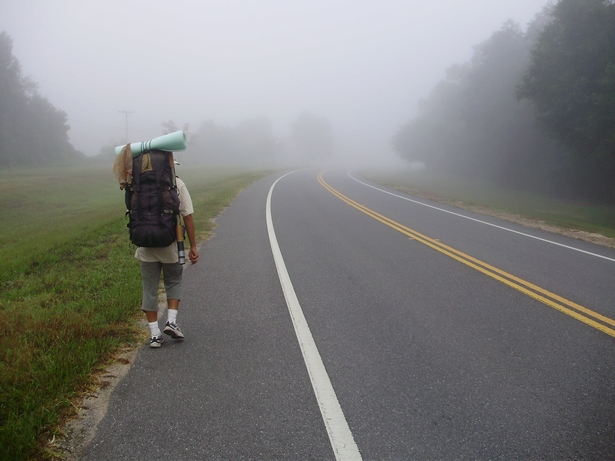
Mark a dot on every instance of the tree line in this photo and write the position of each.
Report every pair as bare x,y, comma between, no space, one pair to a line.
252,142
532,109
32,130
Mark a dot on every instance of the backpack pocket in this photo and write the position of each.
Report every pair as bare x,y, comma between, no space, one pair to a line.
152,223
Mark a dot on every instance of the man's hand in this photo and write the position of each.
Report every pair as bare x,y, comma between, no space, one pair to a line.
193,254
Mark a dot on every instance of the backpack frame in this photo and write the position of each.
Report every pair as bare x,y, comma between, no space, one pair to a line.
152,200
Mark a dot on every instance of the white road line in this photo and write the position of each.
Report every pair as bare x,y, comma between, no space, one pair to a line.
341,438
482,222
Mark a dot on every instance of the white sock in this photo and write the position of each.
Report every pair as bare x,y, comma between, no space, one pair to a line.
154,329
172,316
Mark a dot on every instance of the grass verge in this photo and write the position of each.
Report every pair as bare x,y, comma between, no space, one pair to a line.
70,289
562,214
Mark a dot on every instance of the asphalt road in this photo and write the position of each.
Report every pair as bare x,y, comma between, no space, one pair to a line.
425,332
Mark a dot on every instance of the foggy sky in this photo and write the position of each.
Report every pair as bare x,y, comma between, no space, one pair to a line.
364,64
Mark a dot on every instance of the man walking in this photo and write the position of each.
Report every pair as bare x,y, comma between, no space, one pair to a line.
154,260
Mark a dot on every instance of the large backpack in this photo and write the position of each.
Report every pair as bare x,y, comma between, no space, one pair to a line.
152,200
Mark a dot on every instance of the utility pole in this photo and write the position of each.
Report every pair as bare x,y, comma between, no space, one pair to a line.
126,112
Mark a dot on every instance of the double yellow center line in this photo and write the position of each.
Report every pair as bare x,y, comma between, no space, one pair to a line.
563,305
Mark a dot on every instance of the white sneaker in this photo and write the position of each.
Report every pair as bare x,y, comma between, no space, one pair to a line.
173,331
156,341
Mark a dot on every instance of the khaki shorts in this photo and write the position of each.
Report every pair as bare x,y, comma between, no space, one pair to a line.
150,278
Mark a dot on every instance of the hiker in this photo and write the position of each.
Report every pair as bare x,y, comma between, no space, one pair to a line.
154,186
153,260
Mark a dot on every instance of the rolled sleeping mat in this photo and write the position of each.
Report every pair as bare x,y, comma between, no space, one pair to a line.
169,142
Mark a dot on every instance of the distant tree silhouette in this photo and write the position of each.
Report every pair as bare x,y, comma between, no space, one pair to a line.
32,130
571,83
472,124
312,137
250,142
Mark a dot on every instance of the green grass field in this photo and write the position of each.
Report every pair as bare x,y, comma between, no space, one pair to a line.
70,288
566,214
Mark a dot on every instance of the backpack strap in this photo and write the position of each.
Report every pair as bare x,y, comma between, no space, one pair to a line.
159,160
137,165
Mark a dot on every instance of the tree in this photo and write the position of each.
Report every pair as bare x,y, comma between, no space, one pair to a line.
472,125
571,83
313,138
254,141
250,142
32,130
13,102
169,127
49,130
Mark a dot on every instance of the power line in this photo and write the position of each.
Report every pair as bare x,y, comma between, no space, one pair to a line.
93,124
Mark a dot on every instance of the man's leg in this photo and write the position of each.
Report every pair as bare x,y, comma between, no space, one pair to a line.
150,278
172,284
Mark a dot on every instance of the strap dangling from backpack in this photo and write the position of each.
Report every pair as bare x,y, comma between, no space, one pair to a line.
159,160
137,166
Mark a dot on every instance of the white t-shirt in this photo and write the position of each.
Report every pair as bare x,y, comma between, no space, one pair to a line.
168,255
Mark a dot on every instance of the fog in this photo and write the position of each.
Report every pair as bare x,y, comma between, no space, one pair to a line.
363,65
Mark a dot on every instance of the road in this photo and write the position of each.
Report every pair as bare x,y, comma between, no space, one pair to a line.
333,318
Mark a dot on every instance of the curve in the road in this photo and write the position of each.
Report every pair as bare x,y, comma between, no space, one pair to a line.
574,310
483,222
